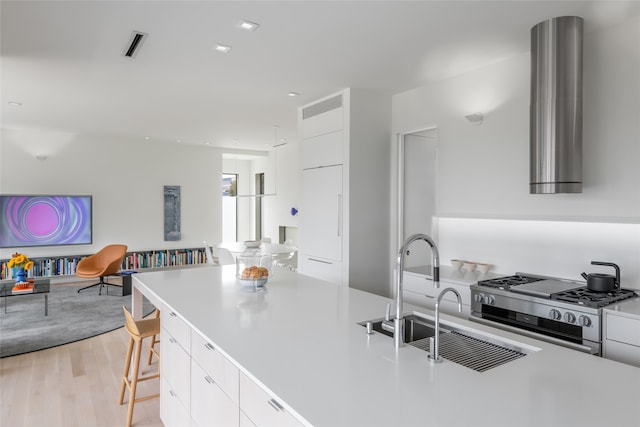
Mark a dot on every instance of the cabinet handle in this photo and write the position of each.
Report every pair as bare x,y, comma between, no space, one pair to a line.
172,393
275,405
172,340
172,314
319,260
339,215
209,380
209,346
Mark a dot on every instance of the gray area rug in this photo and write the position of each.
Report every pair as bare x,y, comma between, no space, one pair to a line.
72,316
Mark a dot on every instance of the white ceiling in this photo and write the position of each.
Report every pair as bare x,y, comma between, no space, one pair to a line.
64,60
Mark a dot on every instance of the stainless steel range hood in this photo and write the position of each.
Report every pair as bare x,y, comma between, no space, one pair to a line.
556,106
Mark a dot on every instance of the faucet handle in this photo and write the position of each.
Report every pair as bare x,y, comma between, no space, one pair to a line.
387,315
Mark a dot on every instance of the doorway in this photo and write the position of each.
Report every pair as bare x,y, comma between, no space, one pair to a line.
258,206
417,155
229,207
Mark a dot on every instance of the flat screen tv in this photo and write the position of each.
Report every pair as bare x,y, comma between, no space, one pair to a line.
45,220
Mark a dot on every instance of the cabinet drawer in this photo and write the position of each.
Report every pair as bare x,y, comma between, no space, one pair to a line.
172,411
323,150
420,300
417,283
262,408
330,271
175,365
446,306
623,329
621,352
210,406
176,326
218,367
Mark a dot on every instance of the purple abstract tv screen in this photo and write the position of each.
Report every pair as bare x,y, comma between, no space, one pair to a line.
33,220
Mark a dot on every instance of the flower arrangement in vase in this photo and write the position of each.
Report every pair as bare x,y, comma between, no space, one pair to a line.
20,264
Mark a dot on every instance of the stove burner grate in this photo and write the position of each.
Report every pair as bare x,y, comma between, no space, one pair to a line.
506,283
587,298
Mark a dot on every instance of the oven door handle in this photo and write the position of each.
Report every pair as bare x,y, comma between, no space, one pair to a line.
541,337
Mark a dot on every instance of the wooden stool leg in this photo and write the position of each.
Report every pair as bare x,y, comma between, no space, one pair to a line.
153,341
125,373
134,381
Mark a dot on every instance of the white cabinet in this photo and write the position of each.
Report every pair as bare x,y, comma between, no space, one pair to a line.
323,150
210,406
172,411
418,290
200,387
175,369
329,270
214,386
261,408
344,210
621,337
322,220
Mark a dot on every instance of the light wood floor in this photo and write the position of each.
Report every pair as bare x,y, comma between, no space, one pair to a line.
74,385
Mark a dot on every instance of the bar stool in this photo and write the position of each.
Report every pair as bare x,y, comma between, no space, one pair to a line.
138,331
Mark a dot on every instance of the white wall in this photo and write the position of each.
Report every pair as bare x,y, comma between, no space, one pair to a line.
483,171
244,205
125,178
278,208
284,184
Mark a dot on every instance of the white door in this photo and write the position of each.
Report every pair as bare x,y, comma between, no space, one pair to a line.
322,212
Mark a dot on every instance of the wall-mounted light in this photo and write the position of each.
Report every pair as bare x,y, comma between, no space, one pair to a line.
475,118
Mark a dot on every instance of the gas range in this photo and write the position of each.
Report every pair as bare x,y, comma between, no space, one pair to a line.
560,311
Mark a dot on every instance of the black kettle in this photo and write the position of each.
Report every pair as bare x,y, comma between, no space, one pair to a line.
599,282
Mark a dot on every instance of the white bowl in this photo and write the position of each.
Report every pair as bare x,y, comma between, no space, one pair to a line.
469,266
484,268
456,263
252,243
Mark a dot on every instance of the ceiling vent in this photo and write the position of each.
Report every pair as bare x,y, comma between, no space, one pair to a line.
137,38
556,106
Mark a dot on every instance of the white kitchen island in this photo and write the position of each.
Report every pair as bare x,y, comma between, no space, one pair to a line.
300,341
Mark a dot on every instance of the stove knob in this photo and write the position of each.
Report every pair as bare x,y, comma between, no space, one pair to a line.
555,314
478,297
584,320
490,300
569,317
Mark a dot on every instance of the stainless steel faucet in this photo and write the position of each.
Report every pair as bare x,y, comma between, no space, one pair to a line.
398,322
434,342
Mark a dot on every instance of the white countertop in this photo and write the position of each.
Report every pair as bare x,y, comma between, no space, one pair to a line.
300,340
628,308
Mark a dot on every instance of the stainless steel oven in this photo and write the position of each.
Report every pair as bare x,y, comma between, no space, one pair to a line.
559,311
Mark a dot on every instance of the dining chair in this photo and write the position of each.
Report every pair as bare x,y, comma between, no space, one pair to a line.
224,256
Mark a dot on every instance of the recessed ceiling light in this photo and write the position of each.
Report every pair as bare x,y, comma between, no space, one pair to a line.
178,140
222,48
15,104
248,25
147,138
294,94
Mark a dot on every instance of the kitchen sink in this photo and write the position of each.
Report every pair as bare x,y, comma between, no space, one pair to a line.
416,328
466,347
